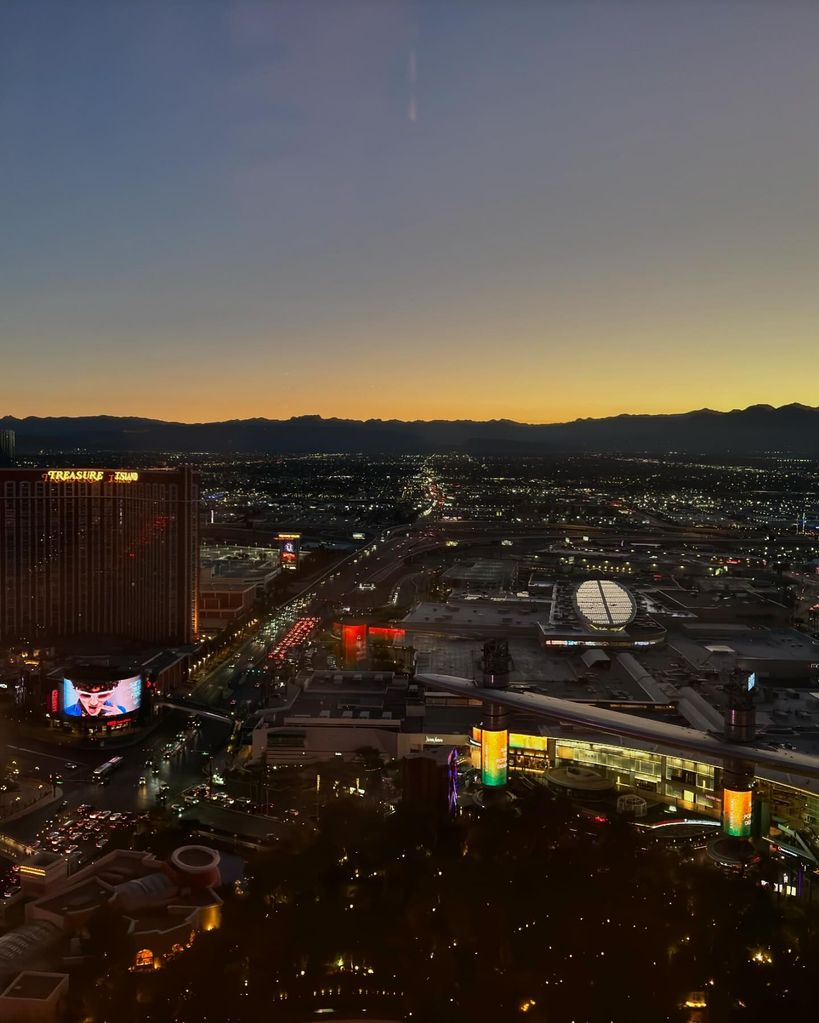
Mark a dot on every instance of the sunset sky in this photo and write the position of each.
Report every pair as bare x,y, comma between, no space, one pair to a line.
530,209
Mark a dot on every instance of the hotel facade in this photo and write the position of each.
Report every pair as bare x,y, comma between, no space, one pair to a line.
104,552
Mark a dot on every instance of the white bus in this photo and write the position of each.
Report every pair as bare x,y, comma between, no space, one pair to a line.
102,773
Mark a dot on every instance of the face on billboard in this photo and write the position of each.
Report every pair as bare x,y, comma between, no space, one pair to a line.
101,699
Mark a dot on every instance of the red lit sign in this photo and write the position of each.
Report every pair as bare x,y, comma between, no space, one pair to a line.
90,476
354,644
392,636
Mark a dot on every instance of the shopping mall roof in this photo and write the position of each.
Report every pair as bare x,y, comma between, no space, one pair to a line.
27,941
604,604
35,986
481,617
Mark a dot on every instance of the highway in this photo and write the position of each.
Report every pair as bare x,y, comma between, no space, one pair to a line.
123,791
379,566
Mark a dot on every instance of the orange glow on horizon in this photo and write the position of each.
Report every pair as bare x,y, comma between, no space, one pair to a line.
216,410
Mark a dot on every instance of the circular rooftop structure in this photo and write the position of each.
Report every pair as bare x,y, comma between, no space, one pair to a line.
578,780
199,864
604,605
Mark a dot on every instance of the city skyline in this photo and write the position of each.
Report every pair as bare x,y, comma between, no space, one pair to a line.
409,535
407,211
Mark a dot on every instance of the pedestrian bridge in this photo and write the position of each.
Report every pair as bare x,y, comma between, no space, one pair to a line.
796,767
201,710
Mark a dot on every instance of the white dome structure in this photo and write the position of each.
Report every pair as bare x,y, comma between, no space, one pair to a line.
604,605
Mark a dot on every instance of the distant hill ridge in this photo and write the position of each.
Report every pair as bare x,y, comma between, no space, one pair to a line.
793,429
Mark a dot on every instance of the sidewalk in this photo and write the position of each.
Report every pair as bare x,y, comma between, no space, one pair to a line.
38,803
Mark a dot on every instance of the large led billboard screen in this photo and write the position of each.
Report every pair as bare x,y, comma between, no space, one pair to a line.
101,699
494,757
737,810
289,550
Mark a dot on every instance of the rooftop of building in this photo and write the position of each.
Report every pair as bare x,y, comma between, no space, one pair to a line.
219,584
762,643
122,865
480,572
212,569
42,858
475,615
26,941
109,655
34,986
77,898
712,594
552,615
159,922
195,856
349,695
561,673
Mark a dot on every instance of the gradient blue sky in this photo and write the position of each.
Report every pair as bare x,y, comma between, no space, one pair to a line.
531,208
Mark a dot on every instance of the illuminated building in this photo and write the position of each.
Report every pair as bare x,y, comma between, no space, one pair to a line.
604,605
598,613
359,640
163,904
354,645
104,552
696,1007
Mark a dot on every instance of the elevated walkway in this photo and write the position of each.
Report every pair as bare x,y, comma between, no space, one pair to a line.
794,767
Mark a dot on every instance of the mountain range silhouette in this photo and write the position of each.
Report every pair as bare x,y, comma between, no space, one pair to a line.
760,429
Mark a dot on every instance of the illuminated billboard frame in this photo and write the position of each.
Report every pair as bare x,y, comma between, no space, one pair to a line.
354,644
737,812
494,758
101,700
90,476
289,550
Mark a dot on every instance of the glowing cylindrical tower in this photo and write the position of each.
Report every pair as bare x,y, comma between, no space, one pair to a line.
495,748
494,730
737,798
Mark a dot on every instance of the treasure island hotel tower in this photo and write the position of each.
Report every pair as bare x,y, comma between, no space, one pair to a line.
99,552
